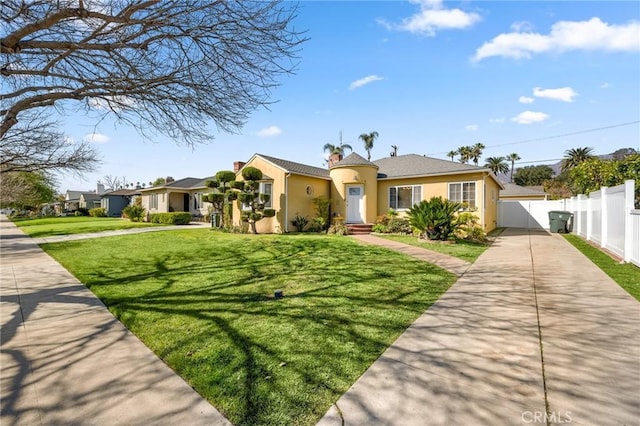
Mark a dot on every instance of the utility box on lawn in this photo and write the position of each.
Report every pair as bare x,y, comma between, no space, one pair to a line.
560,222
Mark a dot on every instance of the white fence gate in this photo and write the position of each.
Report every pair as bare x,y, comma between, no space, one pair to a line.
605,217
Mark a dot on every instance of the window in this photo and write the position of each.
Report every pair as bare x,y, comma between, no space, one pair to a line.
264,188
153,201
197,200
404,197
463,192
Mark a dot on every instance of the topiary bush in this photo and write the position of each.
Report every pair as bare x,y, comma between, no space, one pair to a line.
174,218
98,212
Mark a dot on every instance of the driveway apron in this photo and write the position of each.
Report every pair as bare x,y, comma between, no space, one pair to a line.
532,333
66,360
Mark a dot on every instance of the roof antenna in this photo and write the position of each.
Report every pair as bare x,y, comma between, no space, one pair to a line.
394,153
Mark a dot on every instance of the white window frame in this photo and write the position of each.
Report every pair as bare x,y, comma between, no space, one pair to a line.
261,190
461,186
153,201
197,200
416,196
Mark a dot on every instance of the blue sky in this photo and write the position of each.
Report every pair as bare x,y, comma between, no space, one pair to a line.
428,76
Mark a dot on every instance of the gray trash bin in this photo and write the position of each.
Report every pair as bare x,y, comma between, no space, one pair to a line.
560,222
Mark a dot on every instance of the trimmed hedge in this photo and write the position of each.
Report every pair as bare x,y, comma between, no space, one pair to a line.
98,212
174,218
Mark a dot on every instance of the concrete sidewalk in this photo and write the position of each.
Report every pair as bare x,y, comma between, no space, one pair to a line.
533,333
66,360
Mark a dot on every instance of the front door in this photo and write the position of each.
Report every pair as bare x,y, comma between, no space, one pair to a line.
355,203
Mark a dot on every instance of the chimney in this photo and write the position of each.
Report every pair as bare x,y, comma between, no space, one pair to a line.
334,159
99,188
237,165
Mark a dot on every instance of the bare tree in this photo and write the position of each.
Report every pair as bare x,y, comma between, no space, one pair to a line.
115,182
169,67
38,146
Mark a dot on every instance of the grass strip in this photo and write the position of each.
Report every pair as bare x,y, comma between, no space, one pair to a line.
627,275
462,249
50,226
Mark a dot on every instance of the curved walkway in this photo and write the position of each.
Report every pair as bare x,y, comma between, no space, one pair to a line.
452,264
532,333
66,360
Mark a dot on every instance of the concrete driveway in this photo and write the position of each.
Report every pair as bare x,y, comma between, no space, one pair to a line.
532,333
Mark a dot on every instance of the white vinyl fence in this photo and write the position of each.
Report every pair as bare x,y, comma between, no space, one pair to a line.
605,217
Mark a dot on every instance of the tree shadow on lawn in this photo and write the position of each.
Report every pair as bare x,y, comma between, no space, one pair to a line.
214,319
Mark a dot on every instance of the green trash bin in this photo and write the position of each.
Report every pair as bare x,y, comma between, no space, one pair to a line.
560,222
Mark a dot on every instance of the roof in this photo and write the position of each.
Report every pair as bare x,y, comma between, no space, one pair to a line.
184,183
122,192
90,196
511,189
354,159
297,168
410,165
73,195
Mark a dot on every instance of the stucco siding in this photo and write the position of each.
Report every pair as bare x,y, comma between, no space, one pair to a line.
364,175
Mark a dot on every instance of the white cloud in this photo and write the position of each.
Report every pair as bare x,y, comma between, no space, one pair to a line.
432,17
529,117
472,127
605,85
96,138
564,36
497,120
564,94
364,81
269,131
525,100
521,26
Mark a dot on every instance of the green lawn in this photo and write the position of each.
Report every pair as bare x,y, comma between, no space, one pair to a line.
627,275
465,250
203,301
46,227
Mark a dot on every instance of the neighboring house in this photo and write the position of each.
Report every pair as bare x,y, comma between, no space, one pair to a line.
359,190
183,195
515,192
74,200
115,201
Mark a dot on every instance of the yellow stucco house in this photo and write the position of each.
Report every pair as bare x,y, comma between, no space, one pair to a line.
359,190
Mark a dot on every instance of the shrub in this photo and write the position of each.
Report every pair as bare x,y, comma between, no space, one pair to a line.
391,223
467,228
98,212
81,212
435,219
78,213
175,218
299,222
322,205
338,229
134,213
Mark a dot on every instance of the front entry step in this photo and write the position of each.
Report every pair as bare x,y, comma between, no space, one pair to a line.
359,228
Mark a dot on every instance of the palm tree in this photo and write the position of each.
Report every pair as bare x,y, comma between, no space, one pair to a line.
575,156
497,165
465,154
337,149
513,157
452,154
368,139
476,152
